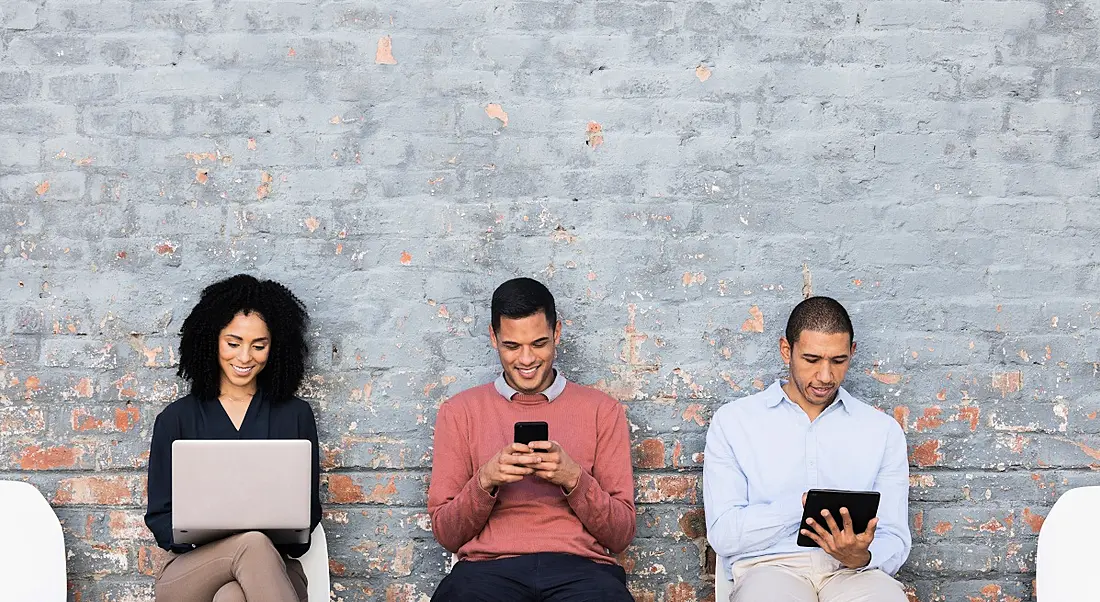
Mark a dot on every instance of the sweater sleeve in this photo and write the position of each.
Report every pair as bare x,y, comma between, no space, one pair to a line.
459,507
158,515
604,499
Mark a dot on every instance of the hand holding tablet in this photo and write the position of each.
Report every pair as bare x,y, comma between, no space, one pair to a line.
840,522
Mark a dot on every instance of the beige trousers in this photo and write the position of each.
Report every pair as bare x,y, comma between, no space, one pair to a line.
810,577
239,568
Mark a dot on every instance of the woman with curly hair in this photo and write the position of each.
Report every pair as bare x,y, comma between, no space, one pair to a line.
243,350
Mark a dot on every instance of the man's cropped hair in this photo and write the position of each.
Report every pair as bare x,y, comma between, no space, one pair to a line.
520,298
819,314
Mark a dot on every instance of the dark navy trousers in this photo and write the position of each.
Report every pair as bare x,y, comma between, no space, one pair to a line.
546,577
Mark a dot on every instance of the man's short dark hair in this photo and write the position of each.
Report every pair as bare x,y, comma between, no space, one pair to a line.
522,297
819,314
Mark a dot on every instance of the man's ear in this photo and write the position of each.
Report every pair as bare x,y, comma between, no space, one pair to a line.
557,333
493,337
785,350
853,349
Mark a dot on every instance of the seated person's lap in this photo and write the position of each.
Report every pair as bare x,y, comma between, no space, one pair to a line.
776,584
550,577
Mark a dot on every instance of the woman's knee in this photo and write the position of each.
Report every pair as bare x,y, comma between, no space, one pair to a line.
253,544
230,592
254,539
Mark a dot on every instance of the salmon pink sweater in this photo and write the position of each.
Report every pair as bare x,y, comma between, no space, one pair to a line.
593,521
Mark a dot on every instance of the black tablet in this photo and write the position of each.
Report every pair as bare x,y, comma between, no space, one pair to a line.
861,505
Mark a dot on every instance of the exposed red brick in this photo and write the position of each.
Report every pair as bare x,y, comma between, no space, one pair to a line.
126,418
927,453
343,490
83,421
382,493
403,560
992,526
918,522
971,414
679,592
694,411
33,385
126,525
756,322
666,488
125,386
336,568
901,415
1035,521
21,420
694,523
37,458
627,560
942,527
103,491
84,388
1094,453
1008,382
886,378
401,592
650,453
930,420
151,559
165,248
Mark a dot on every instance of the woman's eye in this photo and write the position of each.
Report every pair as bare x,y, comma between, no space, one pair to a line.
259,348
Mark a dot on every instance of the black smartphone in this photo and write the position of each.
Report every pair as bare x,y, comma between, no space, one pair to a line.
526,432
862,507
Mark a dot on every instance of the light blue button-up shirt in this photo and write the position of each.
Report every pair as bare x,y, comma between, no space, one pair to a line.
763,453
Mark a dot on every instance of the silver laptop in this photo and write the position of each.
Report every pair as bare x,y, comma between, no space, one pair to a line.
222,487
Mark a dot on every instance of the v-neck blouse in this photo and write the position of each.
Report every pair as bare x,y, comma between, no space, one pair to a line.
192,418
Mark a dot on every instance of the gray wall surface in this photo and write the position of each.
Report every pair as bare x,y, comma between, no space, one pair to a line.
679,173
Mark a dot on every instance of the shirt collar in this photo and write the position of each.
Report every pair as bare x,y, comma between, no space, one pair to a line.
776,395
552,392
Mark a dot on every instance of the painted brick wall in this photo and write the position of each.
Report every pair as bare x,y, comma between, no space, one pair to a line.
680,173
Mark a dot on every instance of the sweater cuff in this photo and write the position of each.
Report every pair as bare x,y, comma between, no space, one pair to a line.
481,497
583,485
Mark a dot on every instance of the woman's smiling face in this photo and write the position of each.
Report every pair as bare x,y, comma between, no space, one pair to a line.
243,347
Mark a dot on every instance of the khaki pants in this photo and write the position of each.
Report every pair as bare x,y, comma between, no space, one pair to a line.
239,568
810,577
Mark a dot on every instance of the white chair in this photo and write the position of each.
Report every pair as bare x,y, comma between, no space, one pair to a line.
315,566
1065,563
723,585
32,546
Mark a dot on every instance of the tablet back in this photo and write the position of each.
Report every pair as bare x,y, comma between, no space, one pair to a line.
862,506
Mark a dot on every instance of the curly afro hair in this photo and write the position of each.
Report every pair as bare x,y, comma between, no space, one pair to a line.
219,303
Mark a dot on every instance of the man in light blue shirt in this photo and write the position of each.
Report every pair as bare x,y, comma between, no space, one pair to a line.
765,451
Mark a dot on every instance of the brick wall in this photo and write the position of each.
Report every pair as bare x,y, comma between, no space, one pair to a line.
679,173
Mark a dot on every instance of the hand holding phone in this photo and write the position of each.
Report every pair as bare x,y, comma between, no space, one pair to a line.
509,465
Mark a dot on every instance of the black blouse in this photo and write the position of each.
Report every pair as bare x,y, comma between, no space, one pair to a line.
191,418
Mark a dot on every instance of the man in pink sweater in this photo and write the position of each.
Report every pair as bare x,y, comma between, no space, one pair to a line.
539,520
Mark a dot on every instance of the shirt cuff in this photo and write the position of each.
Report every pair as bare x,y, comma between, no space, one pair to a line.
880,552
